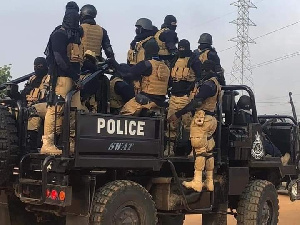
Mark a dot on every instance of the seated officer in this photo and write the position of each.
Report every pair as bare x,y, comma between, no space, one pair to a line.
244,104
120,93
154,75
35,93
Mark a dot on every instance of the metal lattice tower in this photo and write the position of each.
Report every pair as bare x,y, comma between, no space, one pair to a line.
241,71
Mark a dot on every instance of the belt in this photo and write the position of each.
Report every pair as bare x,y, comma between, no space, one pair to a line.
209,113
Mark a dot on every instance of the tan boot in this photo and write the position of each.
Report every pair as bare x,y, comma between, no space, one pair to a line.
285,159
196,183
209,167
169,151
72,145
209,182
48,145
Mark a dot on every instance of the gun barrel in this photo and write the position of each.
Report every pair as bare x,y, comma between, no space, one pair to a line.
17,81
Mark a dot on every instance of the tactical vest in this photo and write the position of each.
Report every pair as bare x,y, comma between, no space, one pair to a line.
137,54
210,103
75,52
162,45
203,55
116,100
92,38
39,93
183,71
157,82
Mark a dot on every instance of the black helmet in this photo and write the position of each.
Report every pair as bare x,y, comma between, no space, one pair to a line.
170,20
205,38
88,10
144,23
244,102
184,44
151,48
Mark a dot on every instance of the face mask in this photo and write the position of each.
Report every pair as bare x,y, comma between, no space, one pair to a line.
138,30
173,27
40,70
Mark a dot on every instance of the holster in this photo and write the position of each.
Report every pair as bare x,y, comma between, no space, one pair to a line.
142,99
199,120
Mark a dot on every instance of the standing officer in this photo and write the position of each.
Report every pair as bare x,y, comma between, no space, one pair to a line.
202,128
95,38
183,75
205,52
35,93
64,57
144,32
167,39
154,75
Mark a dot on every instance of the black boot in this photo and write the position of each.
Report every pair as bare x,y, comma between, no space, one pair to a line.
32,141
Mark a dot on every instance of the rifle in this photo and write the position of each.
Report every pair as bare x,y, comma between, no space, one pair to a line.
53,81
17,81
293,107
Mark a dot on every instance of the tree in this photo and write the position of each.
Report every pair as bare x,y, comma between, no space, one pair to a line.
4,76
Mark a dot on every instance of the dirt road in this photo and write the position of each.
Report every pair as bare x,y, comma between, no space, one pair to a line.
289,214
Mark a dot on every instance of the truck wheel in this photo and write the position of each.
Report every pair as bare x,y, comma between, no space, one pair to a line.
123,202
170,220
8,144
258,204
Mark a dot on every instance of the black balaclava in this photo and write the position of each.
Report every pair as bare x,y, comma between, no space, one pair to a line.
71,23
208,70
40,67
184,48
151,49
170,22
204,46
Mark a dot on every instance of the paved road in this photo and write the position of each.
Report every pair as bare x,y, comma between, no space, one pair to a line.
289,214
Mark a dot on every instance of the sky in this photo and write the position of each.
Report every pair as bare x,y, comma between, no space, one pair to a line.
26,26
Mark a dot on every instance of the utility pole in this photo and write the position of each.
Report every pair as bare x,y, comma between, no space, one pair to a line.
242,71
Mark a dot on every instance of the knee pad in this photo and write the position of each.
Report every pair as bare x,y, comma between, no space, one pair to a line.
210,163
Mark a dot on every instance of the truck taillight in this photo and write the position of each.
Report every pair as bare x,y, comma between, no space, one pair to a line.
62,195
48,193
54,195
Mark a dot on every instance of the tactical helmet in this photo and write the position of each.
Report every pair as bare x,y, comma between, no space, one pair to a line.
244,102
88,10
205,38
170,20
184,44
144,23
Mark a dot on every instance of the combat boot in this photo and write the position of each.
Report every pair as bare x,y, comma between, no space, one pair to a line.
48,145
209,181
169,151
209,167
285,159
196,183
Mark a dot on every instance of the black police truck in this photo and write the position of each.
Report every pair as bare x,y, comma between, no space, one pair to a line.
119,175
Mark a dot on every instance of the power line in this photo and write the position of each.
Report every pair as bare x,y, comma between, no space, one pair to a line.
266,34
285,57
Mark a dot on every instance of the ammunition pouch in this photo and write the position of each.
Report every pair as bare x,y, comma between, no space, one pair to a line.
142,99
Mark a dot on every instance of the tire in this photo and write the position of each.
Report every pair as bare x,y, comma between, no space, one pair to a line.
258,204
123,201
9,154
170,220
